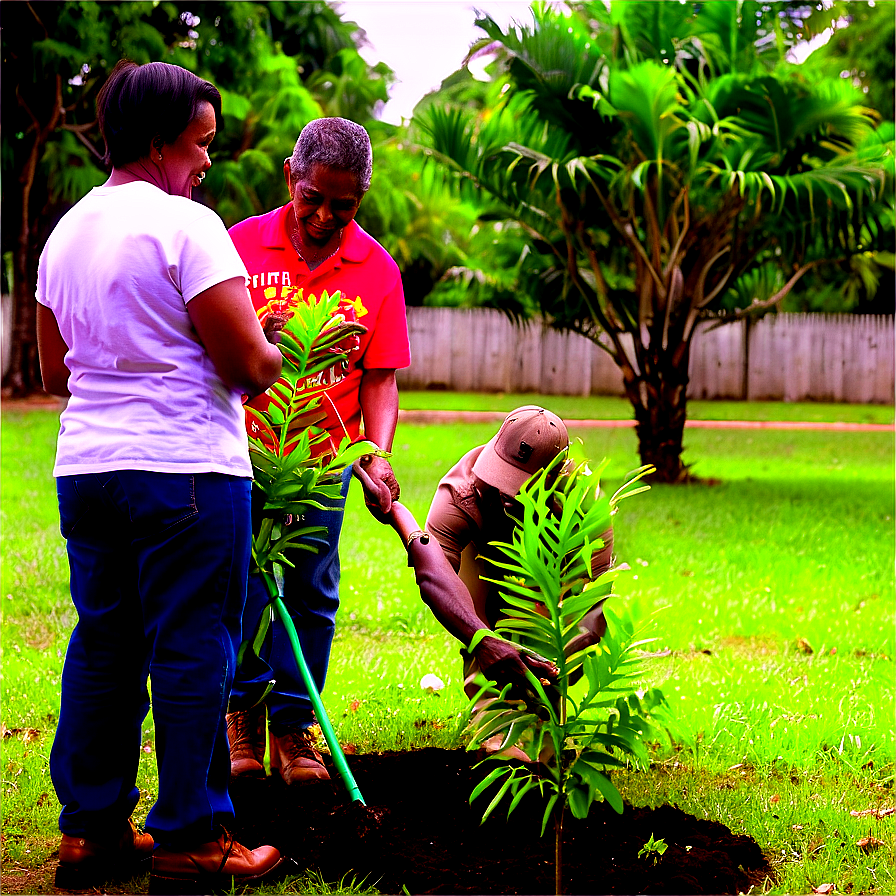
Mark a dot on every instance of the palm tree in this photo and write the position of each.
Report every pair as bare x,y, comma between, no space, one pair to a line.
661,156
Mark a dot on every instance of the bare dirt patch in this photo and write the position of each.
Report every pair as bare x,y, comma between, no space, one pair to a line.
429,839
420,833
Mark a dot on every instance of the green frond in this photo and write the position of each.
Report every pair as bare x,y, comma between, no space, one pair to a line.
530,783
489,779
626,490
648,97
291,479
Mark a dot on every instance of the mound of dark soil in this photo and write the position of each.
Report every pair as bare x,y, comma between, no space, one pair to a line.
419,832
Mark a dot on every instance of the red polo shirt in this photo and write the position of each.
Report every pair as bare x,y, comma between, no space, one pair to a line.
370,283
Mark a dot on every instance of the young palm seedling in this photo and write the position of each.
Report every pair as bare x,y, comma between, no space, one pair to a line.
571,736
290,471
283,436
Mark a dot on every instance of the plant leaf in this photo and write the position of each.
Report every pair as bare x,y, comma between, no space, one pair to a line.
487,780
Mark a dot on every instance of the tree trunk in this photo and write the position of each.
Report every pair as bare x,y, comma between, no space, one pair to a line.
23,376
659,398
660,430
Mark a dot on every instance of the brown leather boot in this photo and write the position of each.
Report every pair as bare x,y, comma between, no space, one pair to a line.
294,756
246,732
86,864
219,864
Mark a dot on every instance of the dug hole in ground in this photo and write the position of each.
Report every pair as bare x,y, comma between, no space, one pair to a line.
424,836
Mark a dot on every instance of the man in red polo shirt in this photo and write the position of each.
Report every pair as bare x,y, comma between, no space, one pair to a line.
311,245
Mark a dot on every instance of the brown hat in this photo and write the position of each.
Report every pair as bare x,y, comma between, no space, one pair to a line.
529,439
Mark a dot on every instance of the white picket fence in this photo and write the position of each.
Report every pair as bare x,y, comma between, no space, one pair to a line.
786,357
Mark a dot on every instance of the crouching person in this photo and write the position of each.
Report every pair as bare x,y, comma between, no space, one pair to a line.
474,506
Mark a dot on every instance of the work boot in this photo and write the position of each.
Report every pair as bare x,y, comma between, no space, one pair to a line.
294,756
87,864
246,735
221,864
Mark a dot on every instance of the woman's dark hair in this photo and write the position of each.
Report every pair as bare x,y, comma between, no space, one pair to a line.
139,103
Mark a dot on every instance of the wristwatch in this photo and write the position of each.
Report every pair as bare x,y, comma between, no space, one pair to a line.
422,534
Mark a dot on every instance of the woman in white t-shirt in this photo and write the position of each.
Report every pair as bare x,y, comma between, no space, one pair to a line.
145,323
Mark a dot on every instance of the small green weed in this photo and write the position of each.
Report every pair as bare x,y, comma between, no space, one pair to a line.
652,851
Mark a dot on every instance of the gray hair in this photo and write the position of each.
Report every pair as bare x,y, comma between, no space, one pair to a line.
334,143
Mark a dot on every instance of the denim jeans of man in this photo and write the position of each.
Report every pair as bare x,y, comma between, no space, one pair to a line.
158,565
311,595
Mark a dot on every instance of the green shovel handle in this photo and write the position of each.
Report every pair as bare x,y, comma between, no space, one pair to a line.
322,717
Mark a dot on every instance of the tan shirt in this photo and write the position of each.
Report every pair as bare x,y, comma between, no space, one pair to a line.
464,522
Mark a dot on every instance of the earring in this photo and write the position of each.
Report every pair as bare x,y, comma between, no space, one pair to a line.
160,157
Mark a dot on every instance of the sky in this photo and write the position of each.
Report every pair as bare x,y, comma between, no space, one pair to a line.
423,41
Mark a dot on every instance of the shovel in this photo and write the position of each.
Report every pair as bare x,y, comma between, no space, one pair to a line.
275,589
402,520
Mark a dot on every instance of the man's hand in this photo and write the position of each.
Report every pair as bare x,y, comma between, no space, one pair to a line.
379,483
505,664
272,328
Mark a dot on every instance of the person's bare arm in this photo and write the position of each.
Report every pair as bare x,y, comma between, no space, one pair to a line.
436,566
228,327
51,349
378,396
446,595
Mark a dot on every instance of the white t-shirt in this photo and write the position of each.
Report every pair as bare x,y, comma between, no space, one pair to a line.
117,273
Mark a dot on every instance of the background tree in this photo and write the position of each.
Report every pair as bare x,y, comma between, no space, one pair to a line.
53,56
277,65
414,213
486,251
862,49
449,250
669,167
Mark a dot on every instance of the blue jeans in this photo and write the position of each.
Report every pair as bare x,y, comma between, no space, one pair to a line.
311,595
158,567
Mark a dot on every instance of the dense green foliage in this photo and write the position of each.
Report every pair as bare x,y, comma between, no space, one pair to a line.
668,166
277,65
861,50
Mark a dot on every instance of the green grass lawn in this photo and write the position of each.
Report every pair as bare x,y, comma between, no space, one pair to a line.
772,583
602,407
